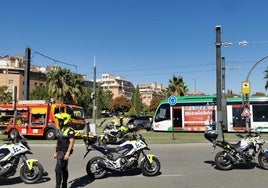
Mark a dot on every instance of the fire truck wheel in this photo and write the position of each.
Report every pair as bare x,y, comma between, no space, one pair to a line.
50,134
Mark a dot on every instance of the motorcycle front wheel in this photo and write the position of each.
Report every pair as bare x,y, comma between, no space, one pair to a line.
94,169
33,175
222,161
263,161
150,169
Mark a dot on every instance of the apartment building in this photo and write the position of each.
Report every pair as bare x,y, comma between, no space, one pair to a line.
12,74
149,91
117,85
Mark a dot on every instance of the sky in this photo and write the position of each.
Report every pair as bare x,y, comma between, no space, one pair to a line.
144,41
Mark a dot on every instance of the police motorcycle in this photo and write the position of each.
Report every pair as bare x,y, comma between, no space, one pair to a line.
126,156
12,151
114,135
244,151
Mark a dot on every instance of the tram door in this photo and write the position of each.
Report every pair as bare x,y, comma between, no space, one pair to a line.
177,118
239,122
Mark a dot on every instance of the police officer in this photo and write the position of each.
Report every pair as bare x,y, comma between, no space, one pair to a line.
65,144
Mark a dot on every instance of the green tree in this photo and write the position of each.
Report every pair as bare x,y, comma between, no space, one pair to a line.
177,86
120,104
100,101
136,102
74,83
39,93
260,94
154,103
5,97
85,100
63,85
107,97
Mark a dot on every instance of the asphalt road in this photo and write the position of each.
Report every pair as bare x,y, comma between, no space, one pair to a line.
182,166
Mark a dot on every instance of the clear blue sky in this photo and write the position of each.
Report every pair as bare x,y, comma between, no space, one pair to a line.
142,40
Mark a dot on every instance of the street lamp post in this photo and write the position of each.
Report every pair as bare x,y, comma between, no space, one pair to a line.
247,103
194,86
219,83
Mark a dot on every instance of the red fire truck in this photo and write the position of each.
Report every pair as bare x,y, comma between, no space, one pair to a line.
36,118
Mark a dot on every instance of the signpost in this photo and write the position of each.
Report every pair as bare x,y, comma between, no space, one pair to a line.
172,100
246,87
246,112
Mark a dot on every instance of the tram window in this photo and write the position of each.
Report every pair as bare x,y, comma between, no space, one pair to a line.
163,113
260,113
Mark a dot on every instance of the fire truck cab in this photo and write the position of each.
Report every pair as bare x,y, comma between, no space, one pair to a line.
36,118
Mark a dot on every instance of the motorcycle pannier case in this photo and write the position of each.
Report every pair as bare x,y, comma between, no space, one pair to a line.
211,135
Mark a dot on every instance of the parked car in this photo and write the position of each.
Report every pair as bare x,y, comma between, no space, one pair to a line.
141,122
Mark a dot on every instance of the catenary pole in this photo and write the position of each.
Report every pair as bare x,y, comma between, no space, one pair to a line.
219,82
94,93
27,62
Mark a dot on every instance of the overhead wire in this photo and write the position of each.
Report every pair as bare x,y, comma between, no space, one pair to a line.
54,60
146,71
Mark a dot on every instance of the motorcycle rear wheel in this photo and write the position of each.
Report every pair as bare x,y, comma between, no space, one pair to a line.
263,161
222,162
94,169
150,169
33,175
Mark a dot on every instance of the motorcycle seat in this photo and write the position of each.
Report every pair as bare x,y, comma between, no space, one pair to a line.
234,145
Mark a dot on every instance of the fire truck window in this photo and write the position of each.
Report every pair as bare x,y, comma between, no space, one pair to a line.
69,111
38,119
58,110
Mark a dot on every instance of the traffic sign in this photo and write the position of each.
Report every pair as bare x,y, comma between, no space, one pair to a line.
172,100
246,112
246,87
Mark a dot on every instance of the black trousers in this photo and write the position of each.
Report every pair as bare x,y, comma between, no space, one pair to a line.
62,173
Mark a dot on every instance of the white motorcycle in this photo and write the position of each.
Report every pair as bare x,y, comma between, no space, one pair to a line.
244,151
122,158
11,151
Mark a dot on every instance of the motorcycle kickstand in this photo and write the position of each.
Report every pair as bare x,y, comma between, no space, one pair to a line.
213,148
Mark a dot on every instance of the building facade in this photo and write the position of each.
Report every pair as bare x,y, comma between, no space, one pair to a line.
12,70
117,85
149,91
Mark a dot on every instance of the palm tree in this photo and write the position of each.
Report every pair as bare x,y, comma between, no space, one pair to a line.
63,85
75,87
177,87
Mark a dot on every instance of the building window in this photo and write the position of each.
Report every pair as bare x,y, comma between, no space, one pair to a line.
10,81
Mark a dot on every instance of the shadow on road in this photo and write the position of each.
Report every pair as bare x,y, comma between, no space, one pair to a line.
10,181
236,166
212,163
81,182
17,180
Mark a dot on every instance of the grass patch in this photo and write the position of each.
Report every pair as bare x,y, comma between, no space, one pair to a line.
157,137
